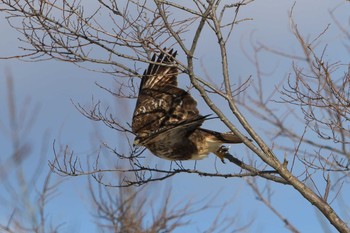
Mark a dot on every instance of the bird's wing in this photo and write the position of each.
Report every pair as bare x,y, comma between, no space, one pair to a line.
161,74
161,104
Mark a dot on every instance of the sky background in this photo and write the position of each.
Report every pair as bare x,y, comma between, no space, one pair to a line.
53,85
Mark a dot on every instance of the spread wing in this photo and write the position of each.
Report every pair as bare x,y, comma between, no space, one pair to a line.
161,104
160,72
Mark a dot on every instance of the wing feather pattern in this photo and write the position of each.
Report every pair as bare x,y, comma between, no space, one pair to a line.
161,104
166,119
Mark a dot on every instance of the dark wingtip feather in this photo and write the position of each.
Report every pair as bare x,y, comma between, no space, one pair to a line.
165,57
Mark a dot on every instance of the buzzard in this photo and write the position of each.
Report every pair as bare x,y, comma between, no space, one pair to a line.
166,119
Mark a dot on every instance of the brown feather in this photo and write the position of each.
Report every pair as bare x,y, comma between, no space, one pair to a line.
222,137
157,75
166,119
161,102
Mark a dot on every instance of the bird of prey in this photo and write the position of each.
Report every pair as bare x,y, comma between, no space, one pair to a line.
166,119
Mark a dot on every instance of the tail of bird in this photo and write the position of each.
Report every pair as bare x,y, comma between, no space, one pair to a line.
215,140
222,137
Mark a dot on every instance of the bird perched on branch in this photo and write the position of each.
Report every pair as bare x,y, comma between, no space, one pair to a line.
166,119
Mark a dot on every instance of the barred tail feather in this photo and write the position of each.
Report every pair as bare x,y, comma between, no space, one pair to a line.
222,137
230,138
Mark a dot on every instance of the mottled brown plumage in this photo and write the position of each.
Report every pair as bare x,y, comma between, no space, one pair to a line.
166,119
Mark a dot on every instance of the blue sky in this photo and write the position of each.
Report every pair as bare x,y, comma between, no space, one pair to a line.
53,84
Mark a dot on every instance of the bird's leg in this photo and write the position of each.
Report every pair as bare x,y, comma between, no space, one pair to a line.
179,164
221,152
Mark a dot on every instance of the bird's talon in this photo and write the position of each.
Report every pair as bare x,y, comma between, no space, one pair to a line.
221,152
